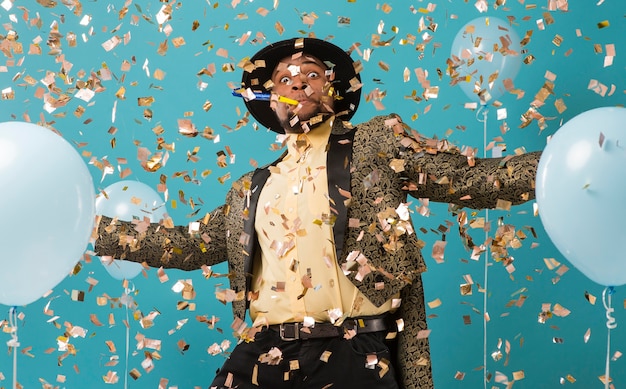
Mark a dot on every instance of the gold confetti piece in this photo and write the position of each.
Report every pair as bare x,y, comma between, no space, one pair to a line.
162,276
560,311
145,101
182,345
435,303
94,319
503,205
597,48
559,104
125,173
610,50
570,378
551,263
325,356
371,360
459,375
78,295
255,375
438,251
518,375
111,43
135,374
343,20
466,289
111,377
26,351
383,364
592,299
159,74
178,42
279,28
111,346
603,24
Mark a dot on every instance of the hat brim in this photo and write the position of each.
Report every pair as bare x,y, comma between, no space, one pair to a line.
325,51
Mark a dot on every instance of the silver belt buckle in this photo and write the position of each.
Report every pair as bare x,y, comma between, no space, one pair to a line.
296,333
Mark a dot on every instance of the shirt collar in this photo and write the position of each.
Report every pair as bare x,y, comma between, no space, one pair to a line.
317,137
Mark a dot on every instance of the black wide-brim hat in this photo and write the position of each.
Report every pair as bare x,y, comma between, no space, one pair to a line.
260,67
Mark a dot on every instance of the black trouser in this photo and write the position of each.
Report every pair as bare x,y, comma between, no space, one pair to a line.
309,364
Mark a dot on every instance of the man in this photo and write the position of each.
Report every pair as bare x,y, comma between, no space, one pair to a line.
320,245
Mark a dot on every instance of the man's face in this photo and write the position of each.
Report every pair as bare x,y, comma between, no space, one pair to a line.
303,80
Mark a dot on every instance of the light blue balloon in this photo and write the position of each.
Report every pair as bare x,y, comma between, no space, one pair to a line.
480,61
121,269
128,200
581,187
46,208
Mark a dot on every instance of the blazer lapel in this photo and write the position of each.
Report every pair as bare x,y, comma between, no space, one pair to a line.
338,163
259,178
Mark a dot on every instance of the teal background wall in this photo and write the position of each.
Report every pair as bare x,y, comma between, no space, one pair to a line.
164,62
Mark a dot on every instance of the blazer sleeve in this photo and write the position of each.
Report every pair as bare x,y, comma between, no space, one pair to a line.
186,247
442,172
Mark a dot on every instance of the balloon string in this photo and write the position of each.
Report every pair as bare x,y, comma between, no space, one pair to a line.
127,345
127,302
14,342
486,268
610,324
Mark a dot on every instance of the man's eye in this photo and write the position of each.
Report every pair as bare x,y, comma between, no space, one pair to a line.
285,80
313,75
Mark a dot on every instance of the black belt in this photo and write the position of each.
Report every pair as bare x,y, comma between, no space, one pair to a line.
295,331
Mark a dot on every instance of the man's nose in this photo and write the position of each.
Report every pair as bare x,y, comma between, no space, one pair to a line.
299,82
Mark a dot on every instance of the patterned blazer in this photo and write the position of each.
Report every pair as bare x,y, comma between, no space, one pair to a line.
371,169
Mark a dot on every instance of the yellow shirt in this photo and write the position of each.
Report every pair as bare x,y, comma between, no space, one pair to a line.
298,278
